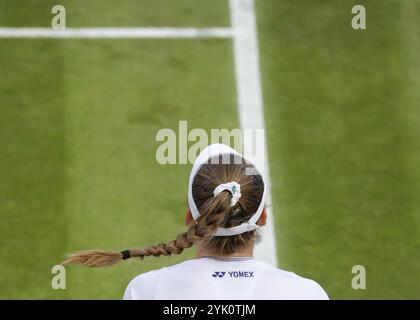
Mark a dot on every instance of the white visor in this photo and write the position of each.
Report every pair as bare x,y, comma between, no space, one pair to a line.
213,151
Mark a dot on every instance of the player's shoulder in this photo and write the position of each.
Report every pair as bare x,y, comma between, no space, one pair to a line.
145,285
150,276
153,275
311,288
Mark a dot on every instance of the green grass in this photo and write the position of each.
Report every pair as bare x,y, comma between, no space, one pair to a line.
118,195
32,167
80,171
343,133
78,120
117,13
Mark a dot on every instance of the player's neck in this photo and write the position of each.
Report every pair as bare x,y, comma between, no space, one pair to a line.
245,252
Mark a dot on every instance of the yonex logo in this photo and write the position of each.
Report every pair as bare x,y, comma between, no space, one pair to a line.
218,274
233,274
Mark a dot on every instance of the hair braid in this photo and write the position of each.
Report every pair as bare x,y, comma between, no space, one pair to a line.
213,214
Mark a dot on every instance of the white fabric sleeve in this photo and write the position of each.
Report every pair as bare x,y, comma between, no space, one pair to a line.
315,291
144,286
127,294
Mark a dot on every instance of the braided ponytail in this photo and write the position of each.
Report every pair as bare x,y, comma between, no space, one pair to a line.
214,213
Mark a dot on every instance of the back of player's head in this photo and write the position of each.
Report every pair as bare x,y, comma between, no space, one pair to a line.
228,223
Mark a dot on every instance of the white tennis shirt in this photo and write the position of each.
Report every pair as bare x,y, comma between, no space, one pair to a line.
222,279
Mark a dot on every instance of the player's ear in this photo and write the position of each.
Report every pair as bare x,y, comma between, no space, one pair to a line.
188,217
263,218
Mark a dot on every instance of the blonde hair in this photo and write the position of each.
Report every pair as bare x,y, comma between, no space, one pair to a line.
215,212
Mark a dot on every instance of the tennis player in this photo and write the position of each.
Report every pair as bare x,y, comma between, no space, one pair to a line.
226,206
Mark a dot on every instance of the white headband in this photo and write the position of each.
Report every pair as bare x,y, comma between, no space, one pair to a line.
211,152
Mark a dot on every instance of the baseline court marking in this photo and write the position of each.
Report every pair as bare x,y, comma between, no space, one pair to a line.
250,104
116,33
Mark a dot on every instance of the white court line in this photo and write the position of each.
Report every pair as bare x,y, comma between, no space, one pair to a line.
250,103
247,72
162,32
